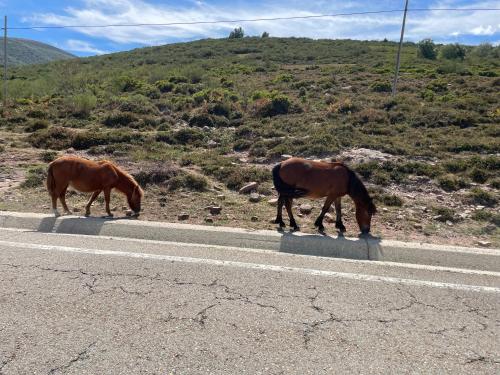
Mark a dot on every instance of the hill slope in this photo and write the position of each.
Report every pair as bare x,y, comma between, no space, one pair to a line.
219,113
26,52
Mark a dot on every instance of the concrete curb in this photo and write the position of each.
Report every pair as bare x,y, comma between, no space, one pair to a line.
298,243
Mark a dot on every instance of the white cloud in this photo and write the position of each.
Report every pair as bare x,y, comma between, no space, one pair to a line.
82,46
436,24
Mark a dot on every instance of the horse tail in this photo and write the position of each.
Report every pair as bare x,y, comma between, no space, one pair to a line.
285,189
51,182
357,190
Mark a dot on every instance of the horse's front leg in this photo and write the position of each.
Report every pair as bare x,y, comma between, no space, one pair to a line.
338,221
93,197
107,196
319,221
279,215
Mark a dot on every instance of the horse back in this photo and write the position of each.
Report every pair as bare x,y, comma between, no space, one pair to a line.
84,175
319,178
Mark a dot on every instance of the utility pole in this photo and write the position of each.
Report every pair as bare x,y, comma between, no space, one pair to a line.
5,64
399,51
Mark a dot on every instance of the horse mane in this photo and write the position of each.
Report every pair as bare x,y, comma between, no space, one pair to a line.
357,191
128,177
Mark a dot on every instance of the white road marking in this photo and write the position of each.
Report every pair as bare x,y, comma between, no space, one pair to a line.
256,266
424,267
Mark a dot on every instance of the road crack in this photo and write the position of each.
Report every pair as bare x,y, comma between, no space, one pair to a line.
81,356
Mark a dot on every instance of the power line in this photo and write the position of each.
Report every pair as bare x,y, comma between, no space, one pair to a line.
256,19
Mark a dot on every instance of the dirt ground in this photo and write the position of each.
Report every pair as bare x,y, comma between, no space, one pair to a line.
413,221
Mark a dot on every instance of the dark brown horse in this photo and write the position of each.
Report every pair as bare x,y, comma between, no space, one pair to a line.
91,177
296,178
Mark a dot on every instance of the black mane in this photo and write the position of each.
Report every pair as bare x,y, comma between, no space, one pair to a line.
358,192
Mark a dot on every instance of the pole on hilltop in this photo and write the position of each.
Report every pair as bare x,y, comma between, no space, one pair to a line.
396,74
5,63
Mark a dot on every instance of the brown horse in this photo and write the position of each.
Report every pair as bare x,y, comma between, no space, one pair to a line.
295,178
91,177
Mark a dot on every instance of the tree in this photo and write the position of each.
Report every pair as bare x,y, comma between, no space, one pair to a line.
237,33
453,52
427,49
265,34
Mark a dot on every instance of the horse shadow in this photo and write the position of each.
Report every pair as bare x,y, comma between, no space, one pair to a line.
77,224
324,245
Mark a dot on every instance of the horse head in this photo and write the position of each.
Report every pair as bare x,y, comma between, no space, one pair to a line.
364,213
134,200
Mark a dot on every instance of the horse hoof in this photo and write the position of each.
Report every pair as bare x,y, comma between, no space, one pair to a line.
87,214
340,227
295,229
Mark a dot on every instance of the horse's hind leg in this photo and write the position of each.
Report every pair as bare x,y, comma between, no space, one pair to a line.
107,196
338,221
279,215
319,221
62,197
288,205
54,205
94,196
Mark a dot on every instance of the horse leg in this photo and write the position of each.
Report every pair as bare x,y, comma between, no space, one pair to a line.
319,221
338,221
279,215
93,197
54,205
62,197
288,205
107,196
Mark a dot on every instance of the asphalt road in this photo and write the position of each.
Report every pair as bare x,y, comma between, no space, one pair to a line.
94,305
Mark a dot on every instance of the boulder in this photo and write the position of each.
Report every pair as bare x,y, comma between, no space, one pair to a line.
249,187
305,209
183,216
254,198
273,202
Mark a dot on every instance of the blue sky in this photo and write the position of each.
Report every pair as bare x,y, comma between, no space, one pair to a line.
469,27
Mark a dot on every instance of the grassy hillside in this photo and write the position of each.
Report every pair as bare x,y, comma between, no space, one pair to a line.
25,52
220,112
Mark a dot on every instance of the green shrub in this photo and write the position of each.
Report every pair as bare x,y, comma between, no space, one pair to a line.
427,49
391,200
381,87
438,85
119,119
479,175
36,125
156,175
487,73
57,138
188,136
164,86
453,51
188,181
444,214
482,197
451,183
48,156
83,104
272,104
35,177
85,140
201,120
483,215
343,106
36,113
237,33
